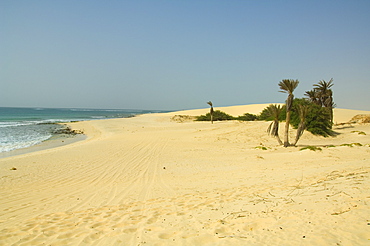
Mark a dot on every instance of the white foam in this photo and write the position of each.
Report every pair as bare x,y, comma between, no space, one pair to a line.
9,145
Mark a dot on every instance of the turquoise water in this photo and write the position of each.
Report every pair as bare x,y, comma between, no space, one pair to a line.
25,127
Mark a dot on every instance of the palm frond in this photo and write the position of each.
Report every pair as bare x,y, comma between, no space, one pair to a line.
313,96
274,111
323,85
323,88
303,112
288,85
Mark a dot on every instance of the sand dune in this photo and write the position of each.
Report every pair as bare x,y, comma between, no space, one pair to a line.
233,110
151,181
340,115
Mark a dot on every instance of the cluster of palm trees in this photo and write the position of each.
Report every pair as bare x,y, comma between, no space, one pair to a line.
286,86
321,95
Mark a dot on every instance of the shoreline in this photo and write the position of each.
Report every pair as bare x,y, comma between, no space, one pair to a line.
344,117
53,142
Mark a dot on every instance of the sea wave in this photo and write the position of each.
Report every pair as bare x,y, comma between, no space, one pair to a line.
81,110
25,134
28,123
24,127
16,123
9,146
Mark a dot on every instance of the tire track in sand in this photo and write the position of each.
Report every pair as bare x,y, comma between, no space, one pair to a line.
134,175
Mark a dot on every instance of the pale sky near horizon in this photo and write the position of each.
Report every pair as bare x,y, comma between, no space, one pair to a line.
169,55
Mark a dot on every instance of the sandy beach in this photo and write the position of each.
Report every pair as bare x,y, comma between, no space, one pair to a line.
151,180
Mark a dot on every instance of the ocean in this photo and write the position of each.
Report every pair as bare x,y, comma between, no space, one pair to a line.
25,127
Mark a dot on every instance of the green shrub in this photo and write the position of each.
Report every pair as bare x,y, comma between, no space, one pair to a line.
352,144
265,115
261,147
217,116
313,148
247,117
317,121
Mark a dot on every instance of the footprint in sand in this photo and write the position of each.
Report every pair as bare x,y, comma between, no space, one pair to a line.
151,220
119,225
166,235
130,230
93,237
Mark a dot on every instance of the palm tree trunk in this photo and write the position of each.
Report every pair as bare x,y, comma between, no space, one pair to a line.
296,141
279,140
277,132
300,131
211,112
286,134
274,130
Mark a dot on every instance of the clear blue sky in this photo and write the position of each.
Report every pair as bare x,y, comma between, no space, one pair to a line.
180,54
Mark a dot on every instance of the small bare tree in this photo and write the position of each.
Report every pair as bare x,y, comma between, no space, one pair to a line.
211,110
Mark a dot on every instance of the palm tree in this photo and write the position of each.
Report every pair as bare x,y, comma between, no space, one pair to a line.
211,110
313,96
288,86
302,112
273,129
325,94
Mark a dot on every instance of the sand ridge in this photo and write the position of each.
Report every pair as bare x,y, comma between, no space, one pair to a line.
150,181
